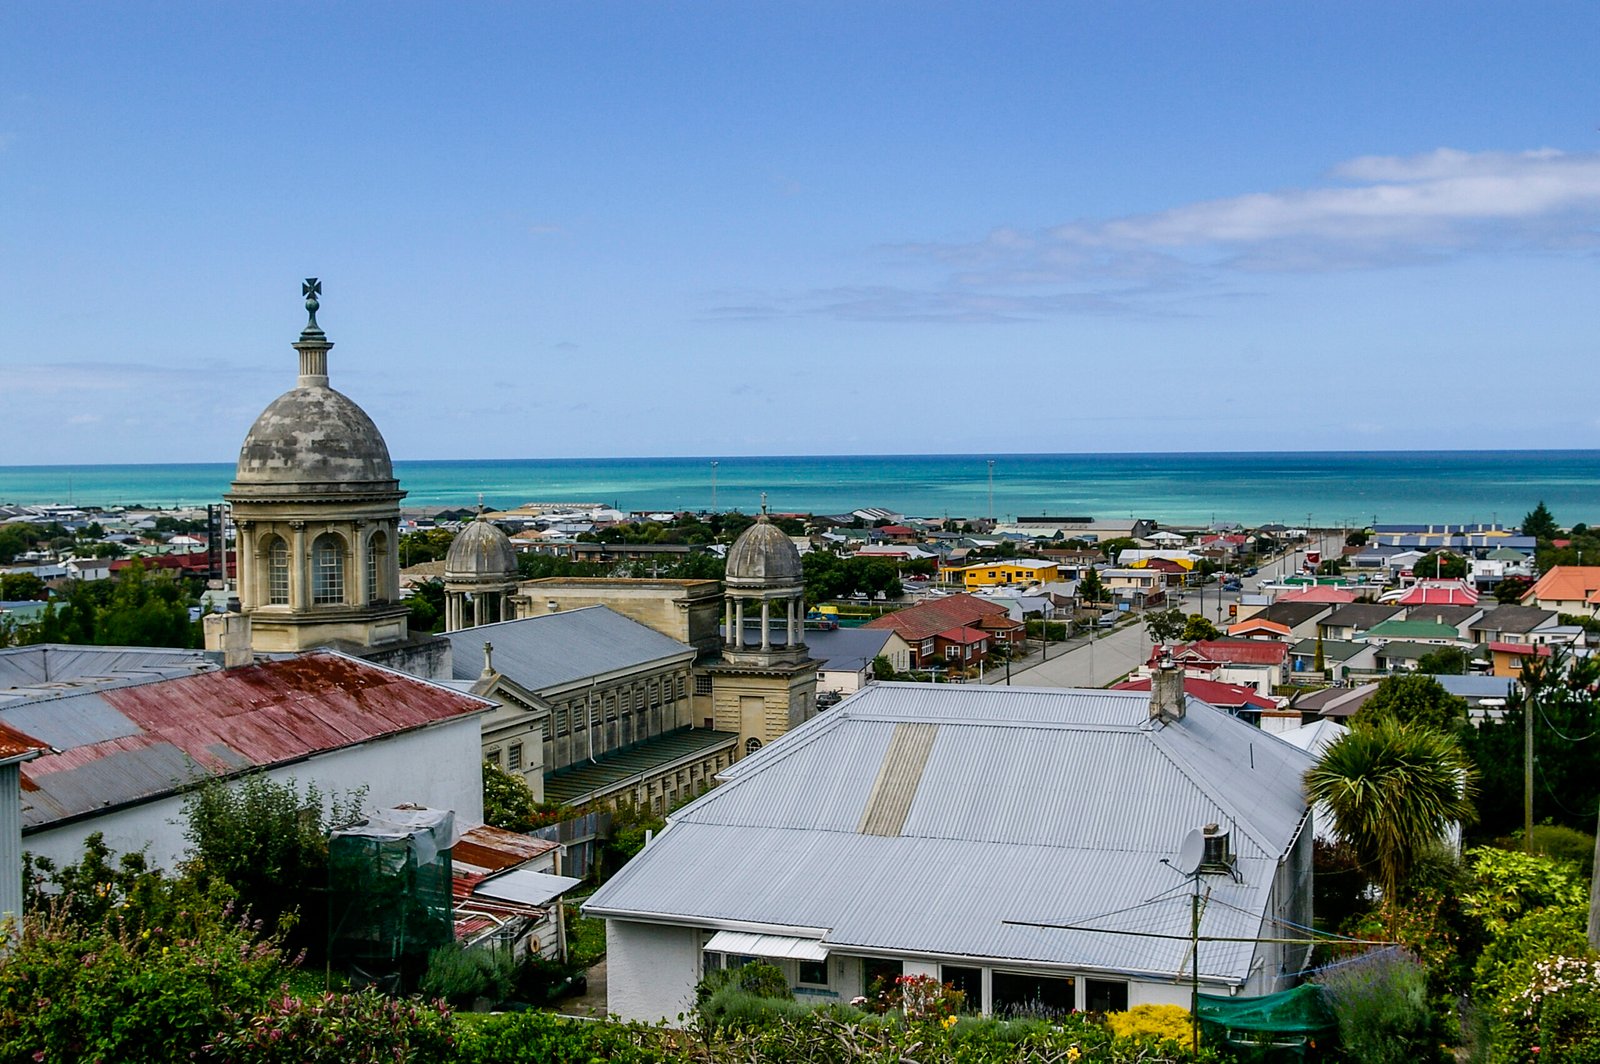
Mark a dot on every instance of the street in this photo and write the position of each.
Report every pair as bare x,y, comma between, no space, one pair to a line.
1098,660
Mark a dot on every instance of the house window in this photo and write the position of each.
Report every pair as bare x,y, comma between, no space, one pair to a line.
1105,995
562,721
813,973
327,570
927,647
967,980
1018,994
514,756
377,548
702,684
752,745
278,572
952,651
493,757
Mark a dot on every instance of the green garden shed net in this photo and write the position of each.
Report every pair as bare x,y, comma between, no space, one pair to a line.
389,895
1291,1025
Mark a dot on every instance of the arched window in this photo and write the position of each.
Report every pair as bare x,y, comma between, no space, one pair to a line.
327,570
751,745
377,551
277,571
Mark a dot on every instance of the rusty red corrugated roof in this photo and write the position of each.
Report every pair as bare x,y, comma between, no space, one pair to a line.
142,741
931,618
17,744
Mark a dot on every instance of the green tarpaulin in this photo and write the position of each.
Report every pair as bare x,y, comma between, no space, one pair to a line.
1284,1026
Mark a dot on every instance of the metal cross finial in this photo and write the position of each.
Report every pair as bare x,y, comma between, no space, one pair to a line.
480,504
311,288
763,503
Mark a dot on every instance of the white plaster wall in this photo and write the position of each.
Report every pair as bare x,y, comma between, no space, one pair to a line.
439,767
1142,993
651,970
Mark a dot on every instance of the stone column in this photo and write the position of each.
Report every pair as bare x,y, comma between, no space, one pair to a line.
738,623
299,576
363,592
244,561
766,624
727,622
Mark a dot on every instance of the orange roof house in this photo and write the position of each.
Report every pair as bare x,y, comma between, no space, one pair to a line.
1567,589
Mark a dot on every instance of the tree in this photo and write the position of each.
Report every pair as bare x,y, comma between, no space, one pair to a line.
1196,629
1509,591
1441,565
1393,790
1166,626
426,603
1089,588
268,841
1358,538
1446,661
1540,523
883,669
21,587
425,545
1112,548
1415,700
1330,567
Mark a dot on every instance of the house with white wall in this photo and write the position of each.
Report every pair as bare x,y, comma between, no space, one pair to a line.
121,756
1019,843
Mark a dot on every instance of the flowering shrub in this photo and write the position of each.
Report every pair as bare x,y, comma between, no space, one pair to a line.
1381,1003
363,1028
1556,1017
1153,1023
922,997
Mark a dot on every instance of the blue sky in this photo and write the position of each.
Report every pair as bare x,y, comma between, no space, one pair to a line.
722,229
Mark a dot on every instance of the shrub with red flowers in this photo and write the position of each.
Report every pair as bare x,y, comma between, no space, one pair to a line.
361,1028
922,997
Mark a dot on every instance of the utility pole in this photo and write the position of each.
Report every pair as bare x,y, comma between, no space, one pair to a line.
1527,772
991,491
1594,898
713,487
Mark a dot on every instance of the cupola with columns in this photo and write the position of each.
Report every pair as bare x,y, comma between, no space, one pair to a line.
317,509
763,579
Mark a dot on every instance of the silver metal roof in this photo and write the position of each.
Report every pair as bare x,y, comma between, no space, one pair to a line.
558,648
50,670
1032,805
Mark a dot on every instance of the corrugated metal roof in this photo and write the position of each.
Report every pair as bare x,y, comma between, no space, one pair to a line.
1053,806
485,849
559,648
14,743
51,670
134,743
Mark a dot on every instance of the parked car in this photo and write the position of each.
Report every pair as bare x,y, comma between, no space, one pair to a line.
1252,571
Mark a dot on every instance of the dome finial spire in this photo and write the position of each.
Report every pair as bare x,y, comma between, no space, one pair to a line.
313,344
311,288
763,504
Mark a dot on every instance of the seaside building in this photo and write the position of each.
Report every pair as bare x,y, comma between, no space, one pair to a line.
480,577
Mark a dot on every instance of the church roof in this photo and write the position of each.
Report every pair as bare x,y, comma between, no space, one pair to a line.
548,651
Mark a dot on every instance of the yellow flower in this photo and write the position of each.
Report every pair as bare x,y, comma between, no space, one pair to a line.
1073,1053
949,1022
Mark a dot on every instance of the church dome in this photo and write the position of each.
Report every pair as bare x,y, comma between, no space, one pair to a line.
481,552
312,439
763,555
314,435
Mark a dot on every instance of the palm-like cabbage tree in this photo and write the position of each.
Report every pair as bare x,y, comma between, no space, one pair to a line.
1393,790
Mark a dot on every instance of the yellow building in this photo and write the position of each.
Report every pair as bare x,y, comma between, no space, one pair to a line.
997,574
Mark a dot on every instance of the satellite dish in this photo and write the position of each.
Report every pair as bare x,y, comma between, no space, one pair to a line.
1191,853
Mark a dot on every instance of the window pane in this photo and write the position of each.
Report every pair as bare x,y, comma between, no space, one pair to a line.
327,571
1041,996
967,980
814,973
278,573
1105,995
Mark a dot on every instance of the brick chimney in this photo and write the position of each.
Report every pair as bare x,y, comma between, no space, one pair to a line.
1167,700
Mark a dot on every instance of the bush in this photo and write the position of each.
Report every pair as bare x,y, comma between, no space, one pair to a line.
756,978
1381,1003
1154,1023
362,1028
1554,1018
462,976
543,1038
71,993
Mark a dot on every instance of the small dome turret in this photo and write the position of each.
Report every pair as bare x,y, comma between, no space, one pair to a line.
763,556
480,552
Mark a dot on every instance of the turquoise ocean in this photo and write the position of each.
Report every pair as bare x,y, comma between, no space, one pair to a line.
1327,489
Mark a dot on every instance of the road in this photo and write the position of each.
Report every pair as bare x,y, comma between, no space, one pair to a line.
1108,656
